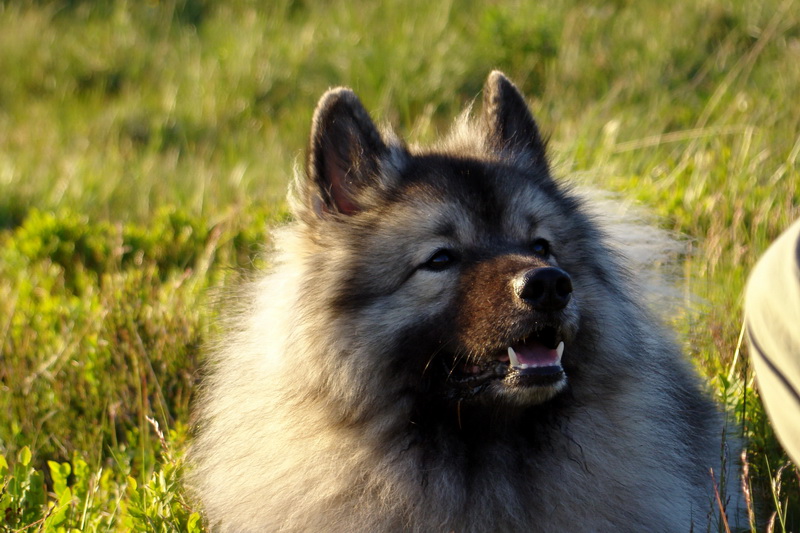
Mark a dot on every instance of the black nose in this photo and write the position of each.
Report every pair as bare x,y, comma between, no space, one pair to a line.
546,288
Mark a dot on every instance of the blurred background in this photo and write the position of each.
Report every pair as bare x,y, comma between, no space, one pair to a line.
145,149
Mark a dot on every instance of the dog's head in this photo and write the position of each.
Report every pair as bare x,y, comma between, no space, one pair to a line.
463,265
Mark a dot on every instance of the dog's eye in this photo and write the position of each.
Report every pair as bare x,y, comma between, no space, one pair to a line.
440,260
541,247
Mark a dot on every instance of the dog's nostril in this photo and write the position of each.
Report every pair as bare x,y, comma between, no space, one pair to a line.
547,288
564,286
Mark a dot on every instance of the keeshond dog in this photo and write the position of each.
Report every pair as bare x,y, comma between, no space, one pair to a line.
447,341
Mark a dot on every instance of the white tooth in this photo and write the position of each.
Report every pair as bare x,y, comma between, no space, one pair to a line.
512,357
560,349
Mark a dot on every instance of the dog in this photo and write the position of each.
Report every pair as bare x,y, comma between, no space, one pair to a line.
447,340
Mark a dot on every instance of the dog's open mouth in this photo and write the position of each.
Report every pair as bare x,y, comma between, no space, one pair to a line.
531,362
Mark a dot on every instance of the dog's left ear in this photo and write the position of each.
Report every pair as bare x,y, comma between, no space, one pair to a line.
508,122
344,154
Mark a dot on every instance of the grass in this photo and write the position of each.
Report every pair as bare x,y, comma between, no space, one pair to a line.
145,149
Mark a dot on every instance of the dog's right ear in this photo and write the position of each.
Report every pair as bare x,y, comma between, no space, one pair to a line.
508,123
344,154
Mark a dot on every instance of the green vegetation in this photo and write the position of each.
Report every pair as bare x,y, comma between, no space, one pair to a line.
145,149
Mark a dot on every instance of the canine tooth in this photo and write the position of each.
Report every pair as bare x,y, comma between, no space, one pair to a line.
512,357
560,349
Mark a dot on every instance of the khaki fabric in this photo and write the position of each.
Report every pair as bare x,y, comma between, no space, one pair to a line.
772,314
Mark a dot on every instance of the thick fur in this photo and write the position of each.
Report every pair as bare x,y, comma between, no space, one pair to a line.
327,408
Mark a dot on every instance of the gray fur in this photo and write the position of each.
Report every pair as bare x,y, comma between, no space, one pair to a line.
326,407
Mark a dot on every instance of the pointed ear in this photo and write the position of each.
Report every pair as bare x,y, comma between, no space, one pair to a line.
344,154
508,122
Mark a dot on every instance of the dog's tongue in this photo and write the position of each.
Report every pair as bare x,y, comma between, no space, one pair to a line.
535,354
